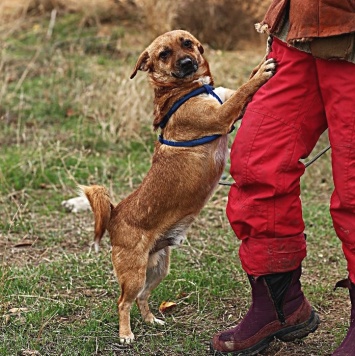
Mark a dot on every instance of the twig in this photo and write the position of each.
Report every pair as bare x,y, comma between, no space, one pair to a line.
51,24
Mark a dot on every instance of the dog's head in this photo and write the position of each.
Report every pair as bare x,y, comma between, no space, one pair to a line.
171,58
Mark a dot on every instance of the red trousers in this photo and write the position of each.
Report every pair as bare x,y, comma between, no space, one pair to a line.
281,126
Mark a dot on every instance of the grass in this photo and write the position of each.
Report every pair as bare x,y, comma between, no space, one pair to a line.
69,114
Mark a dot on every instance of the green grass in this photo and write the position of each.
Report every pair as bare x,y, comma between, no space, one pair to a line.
70,115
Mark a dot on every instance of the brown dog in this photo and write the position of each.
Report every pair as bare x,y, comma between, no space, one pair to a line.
156,216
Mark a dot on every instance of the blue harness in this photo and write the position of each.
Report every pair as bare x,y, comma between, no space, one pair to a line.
199,141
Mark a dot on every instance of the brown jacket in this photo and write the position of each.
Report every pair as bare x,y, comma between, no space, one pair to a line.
311,18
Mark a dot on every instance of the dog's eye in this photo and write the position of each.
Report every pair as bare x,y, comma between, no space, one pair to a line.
164,54
187,43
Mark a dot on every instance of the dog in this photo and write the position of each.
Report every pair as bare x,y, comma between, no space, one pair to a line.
186,166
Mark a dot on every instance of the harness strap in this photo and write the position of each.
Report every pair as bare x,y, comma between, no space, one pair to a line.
203,89
209,90
199,141
191,143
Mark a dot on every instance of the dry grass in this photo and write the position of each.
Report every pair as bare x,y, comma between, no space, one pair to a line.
102,9
159,15
14,13
227,24
69,114
224,24
122,111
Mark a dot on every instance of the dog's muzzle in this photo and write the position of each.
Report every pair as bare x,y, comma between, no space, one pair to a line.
185,67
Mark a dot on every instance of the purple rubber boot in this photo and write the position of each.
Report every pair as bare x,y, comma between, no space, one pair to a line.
347,347
279,310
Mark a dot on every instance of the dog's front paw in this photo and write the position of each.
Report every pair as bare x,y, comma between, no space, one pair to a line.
126,339
267,69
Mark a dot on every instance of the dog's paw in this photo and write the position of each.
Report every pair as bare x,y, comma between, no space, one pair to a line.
76,205
267,69
126,340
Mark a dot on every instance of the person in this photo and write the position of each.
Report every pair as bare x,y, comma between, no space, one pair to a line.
312,90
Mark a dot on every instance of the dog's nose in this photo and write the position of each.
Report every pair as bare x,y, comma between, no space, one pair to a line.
186,63
186,66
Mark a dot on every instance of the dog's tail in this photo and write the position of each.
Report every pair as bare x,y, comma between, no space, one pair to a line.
101,206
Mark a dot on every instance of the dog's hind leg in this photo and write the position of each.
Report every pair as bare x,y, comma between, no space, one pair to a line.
131,276
158,269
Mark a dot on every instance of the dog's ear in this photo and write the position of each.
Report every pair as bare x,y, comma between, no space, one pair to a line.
142,64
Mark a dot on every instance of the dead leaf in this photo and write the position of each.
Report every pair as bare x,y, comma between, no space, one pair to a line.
166,306
70,112
182,295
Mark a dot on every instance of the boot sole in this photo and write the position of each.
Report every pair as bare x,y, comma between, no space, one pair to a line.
299,331
290,333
